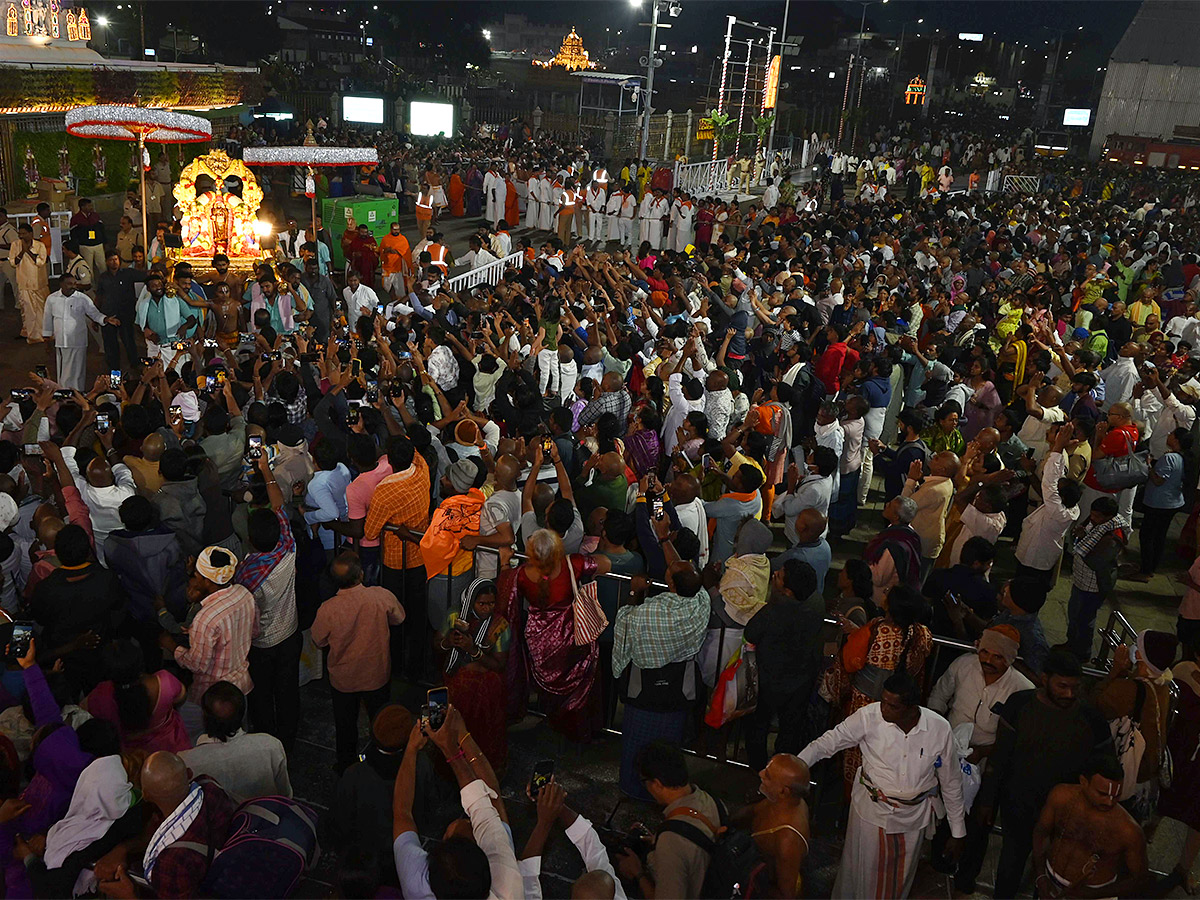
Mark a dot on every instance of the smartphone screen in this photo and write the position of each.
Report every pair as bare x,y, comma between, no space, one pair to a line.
210,382
102,423
379,309
176,413
33,450
659,508
114,378
355,367
437,700
543,771
21,636
40,371
353,415
256,446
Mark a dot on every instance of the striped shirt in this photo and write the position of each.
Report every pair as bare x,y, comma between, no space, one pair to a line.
400,499
271,577
220,639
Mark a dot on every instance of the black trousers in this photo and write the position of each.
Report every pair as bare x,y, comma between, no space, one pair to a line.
789,706
345,718
116,335
411,639
274,703
1153,534
1018,822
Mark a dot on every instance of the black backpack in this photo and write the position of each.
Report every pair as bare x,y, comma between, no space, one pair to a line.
736,868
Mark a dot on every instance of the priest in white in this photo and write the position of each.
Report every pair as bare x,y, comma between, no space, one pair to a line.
546,203
908,763
533,203
646,221
685,215
596,202
494,192
612,214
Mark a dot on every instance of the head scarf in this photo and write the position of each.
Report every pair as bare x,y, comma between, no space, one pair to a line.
457,658
8,512
217,575
1002,639
102,795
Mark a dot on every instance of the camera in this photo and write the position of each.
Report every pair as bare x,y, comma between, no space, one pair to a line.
433,713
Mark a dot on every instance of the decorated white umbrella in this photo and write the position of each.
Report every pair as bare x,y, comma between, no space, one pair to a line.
310,155
135,123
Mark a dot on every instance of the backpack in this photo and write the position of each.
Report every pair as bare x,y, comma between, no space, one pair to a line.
1097,342
736,867
272,841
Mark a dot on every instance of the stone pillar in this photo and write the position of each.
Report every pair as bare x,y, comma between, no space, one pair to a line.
687,138
667,136
610,125
466,126
537,119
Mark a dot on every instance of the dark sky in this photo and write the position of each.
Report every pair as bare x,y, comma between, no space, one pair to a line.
236,24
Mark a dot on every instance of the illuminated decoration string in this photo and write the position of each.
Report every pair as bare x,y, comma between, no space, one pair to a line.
135,123
845,101
724,72
571,56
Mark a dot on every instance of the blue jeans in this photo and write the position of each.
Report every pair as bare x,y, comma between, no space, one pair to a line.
1081,621
843,511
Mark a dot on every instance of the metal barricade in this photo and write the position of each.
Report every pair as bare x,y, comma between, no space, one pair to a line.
60,227
489,274
703,177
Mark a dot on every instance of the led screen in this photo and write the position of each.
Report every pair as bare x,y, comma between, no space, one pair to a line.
430,118
363,109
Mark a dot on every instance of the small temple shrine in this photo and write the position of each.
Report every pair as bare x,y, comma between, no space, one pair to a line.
571,56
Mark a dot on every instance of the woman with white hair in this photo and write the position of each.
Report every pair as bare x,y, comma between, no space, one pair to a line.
544,648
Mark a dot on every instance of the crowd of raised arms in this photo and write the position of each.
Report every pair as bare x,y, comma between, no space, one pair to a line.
633,478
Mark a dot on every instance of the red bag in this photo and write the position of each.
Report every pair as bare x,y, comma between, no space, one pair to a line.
857,646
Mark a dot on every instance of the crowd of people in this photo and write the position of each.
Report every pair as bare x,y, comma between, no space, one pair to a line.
622,482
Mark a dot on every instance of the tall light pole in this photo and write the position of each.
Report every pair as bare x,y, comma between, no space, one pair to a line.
862,67
651,62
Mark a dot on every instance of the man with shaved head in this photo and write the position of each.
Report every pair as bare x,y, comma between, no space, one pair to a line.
105,485
689,507
612,398
779,822
196,814
144,468
811,546
609,487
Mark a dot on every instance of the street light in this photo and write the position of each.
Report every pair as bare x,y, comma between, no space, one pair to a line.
862,25
652,62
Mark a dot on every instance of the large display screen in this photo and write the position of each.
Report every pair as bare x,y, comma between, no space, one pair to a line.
425,118
363,109
1077,116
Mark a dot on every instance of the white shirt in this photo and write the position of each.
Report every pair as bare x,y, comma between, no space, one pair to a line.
65,319
1043,531
1186,328
901,765
595,856
1119,381
1173,415
595,200
477,259
813,492
103,503
680,407
977,524
359,303
718,408
692,516
1034,430
615,202
961,695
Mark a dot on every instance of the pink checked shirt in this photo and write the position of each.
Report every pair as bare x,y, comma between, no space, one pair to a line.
220,638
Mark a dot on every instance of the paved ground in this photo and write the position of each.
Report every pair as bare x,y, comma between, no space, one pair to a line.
589,773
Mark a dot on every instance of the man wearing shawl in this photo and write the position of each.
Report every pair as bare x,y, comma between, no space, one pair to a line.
654,644
456,191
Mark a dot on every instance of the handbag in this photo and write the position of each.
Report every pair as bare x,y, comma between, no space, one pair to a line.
1115,473
858,644
589,616
736,691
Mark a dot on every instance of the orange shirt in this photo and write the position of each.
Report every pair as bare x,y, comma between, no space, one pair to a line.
398,261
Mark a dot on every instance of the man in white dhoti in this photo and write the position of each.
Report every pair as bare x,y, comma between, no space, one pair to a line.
64,328
533,204
907,756
612,214
629,206
685,215
673,220
770,196
546,203
596,201
660,211
646,218
493,192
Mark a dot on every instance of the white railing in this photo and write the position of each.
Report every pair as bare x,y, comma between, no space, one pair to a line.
1022,184
489,274
60,227
703,177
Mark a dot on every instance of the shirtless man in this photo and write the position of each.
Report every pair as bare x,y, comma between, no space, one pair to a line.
227,308
237,283
1085,844
779,822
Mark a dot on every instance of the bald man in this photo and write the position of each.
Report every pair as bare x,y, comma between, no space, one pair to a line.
105,485
195,812
609,488
499,520
613,398
144,468
932,495
779,821
46,527
810,547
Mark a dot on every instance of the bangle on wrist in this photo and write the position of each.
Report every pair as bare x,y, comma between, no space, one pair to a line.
459,755
463,738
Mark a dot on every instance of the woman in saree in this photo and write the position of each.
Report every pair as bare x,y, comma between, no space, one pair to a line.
704,223
983,404
456,192
474,192
1013,355
475,639
894,642
643,449
543,649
